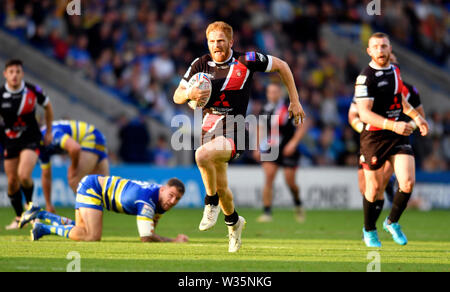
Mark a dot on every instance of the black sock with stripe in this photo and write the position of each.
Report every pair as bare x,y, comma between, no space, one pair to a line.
232,219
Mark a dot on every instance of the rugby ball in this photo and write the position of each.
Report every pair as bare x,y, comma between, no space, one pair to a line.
203,81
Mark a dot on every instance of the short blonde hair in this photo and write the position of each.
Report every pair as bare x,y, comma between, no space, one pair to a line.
220,26
379,35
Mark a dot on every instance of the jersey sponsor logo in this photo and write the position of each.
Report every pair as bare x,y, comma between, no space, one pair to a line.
6,95
6,105
395,105
222,101
382,83
250,56
361,79
379,73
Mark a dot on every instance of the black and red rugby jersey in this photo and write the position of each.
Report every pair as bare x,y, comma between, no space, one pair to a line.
282,129
384,87
231,80
18,107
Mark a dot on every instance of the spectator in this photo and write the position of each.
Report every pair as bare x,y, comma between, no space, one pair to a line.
162,155
138,50
134,140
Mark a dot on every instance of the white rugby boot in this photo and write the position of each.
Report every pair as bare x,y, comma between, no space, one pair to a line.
210,214
234,235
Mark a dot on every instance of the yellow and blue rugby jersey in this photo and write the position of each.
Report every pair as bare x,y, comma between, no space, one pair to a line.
131,197
90,139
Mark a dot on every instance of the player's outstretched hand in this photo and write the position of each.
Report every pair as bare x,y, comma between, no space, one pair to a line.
296,110
181,238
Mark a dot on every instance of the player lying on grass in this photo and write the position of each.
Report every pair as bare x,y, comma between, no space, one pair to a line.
147,201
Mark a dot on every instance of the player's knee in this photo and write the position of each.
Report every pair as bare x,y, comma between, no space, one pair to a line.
25,180
372,192
73,183
202,157
407,186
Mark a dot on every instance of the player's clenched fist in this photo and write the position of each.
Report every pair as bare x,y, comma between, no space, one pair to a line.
403,128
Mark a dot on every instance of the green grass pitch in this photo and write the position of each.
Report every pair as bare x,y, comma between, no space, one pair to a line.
327,241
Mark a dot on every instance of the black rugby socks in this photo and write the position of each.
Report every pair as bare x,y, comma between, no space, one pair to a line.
372,211
212,200
16,202
232,219
28,193
398,206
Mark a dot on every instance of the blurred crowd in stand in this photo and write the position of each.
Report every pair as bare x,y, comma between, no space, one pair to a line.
138,50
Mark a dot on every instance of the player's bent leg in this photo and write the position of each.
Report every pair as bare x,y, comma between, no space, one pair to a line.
361,181
270,171
289,174
39,229
216,151
14,192
86,164
11,170
91,225
404,168
207,169
373,184
102,168
234,222
27,162
372,206
388,181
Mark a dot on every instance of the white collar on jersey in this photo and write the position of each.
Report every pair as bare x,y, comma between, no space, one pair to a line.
376,67
220,63
22,85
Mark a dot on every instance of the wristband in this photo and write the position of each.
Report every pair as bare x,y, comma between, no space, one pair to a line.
413,124
357,125
412,113
389,125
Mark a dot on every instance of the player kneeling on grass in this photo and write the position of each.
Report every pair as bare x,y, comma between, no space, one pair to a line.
147,201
